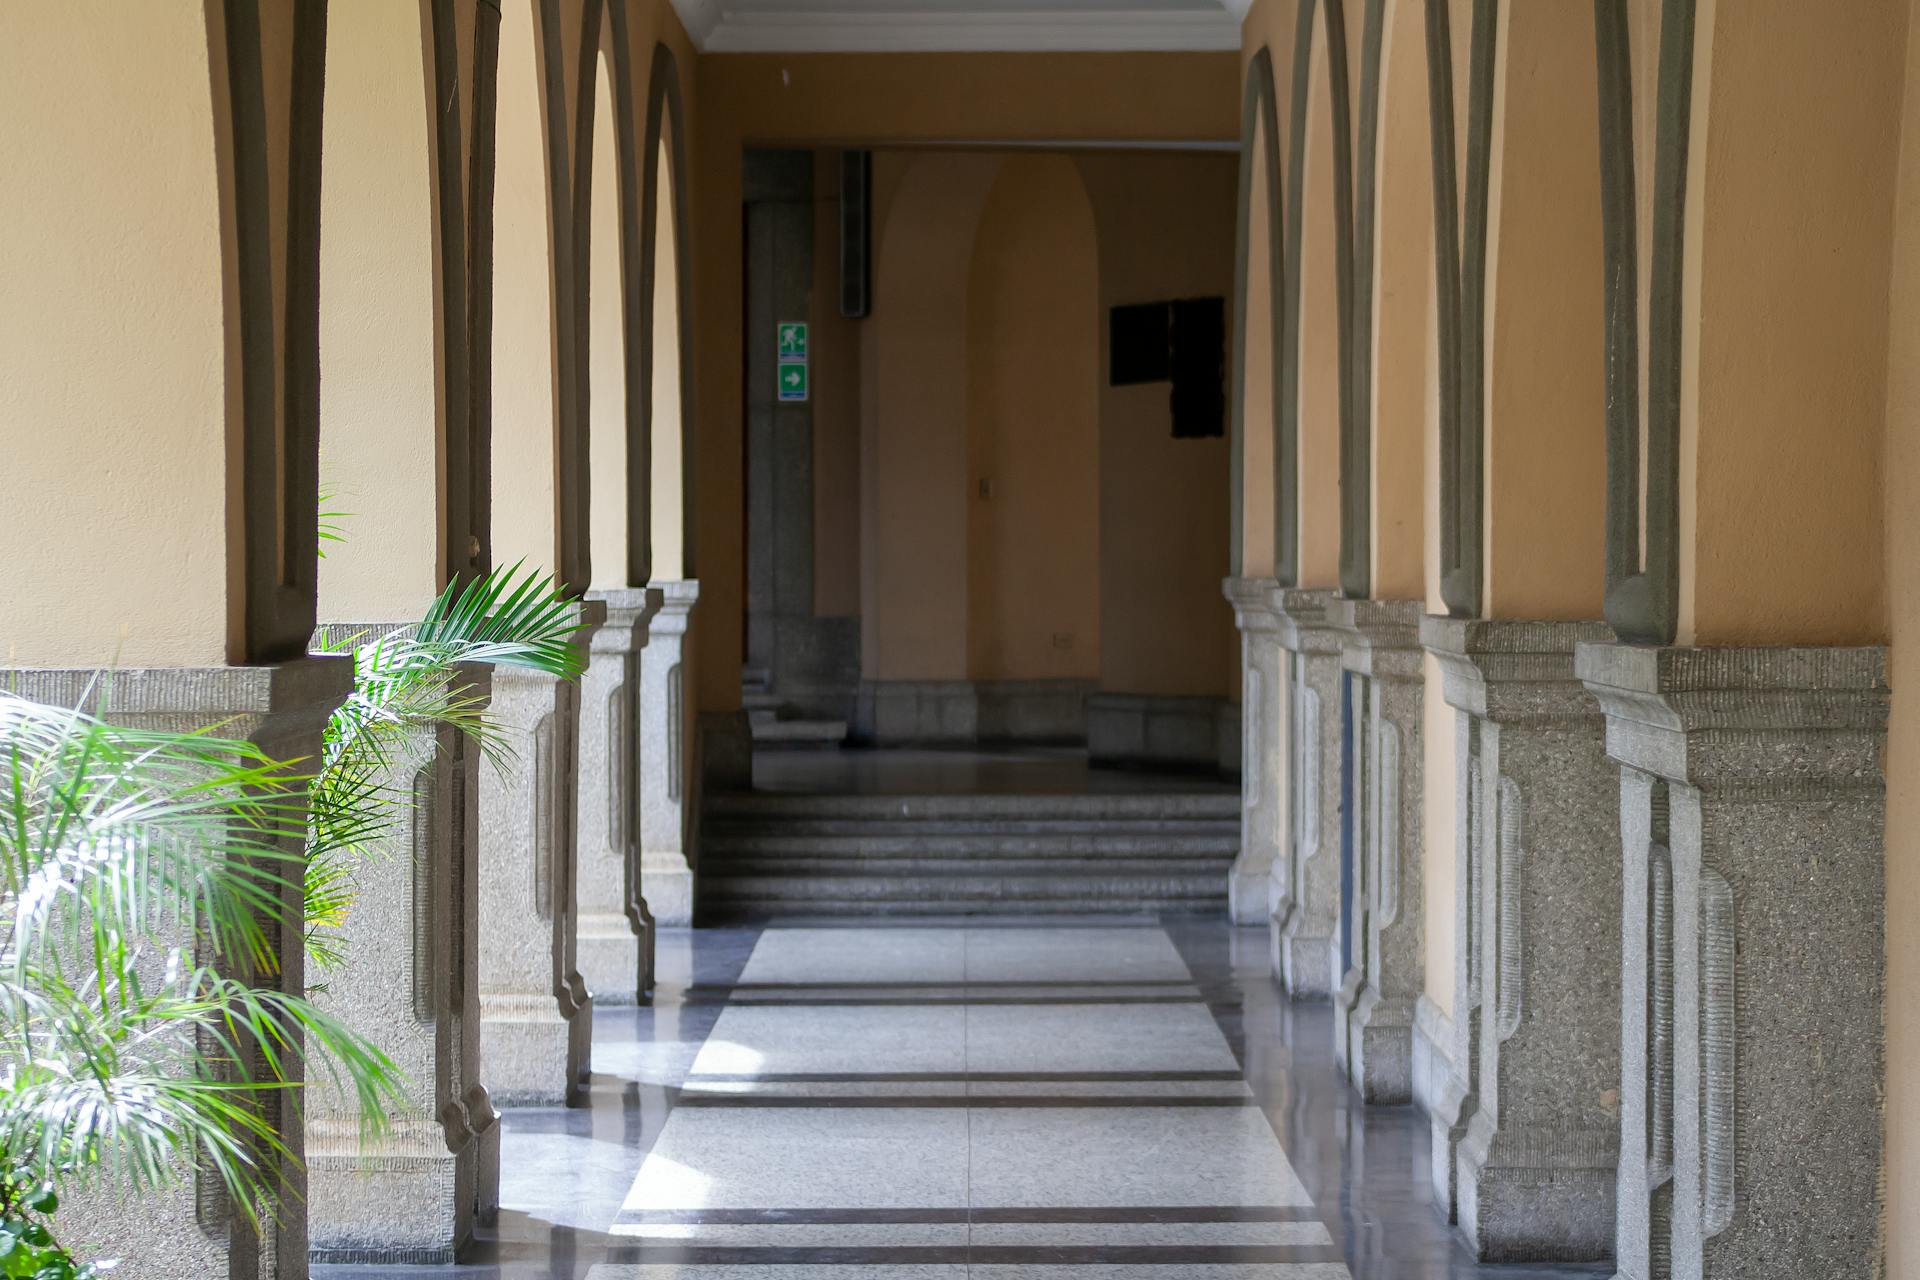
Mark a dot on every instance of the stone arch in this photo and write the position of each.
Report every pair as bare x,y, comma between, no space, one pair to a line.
1257,326
666,308
1316,398
268,135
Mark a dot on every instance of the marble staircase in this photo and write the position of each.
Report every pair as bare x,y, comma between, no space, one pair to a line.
765,855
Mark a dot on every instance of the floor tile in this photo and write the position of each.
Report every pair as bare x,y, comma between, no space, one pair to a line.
805,1158
828,955
1145,1037
835,1038
1124,954
1129,1156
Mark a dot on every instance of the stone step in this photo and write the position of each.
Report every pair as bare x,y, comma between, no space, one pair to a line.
1086,868
980,845
773,729
1098,807
933,890
758,909
835,828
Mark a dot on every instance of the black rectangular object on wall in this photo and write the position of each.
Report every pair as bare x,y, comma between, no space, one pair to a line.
1138,344
856,234
1199,368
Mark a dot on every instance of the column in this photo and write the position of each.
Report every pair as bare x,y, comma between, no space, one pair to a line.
1384,910
616,933
1262,861
536,1031
1751,804
1534,1169
408,982
666,867
1306,935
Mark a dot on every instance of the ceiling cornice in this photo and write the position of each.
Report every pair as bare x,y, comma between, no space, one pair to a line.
714,29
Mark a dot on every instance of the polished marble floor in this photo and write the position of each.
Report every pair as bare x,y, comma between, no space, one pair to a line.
1067,1099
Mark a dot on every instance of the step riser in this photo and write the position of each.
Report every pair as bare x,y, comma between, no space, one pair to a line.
976,847
782,809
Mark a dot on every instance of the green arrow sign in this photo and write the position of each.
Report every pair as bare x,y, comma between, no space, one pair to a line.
793,382
792,340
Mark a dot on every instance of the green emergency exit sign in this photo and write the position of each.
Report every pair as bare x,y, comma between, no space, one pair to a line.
790,372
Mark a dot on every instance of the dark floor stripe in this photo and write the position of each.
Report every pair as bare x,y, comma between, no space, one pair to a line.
1139,1255
978,1077
1077,1215
906,1100
837,1002
709,989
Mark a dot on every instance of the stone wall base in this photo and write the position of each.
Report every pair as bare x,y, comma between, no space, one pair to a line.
966,712
1156,731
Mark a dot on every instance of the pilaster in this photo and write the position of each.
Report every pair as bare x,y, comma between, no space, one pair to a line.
408,982
1535,1168
189,1228
1263,773
616,932
1306,928
666,867
1751,807
536,1011
1383,915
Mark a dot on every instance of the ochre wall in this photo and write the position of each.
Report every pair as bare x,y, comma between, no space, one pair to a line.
114,476
1788,261
1033,434
1257,417
378,345
666,515
1317,435
606,348
1165,229
825,100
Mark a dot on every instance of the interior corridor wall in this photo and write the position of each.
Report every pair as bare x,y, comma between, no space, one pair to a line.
1164,221
1033,436
835,348
815,100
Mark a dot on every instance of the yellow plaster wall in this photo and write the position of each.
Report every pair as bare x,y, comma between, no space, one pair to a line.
378,349
667,515
1545,374
1032,482
525,416
1165,224
1256,453
1796,121
606,346
114,447
1317,511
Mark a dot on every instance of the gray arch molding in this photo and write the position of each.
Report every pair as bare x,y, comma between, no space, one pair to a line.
1643,569
1258,108
1460,266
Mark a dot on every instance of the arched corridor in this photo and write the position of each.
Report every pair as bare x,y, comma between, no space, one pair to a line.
1096,639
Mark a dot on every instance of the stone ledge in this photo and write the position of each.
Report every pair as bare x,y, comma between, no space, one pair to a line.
1305,621
1508,670
1252,601
1789,722
1381,638
629,614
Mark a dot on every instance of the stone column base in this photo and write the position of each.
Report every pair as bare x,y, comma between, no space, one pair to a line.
1263,761
536,1014
1751,804
666,729
188,1229
1309,945
616,932
1536,1171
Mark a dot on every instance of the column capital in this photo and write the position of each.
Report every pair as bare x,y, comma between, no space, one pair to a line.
1381,637
629,616
1786,719
1252,601
1509,670
244,697
1306,624
677,598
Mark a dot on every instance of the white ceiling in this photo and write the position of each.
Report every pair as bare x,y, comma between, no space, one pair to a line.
899,26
